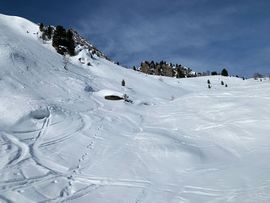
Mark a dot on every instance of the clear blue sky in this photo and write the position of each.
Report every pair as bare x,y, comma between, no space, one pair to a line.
202,34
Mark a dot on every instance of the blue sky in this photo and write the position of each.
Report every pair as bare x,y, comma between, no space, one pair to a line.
201,34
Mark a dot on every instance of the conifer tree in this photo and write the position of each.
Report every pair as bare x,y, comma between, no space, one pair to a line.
58,36
41,27
224,72
49,32
123,83
63,41
70,43
43,37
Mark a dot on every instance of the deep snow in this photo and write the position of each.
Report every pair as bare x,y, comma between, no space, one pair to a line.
178,142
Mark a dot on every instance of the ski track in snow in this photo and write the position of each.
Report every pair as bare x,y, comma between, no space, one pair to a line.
55,171
32,150
178,142
20,151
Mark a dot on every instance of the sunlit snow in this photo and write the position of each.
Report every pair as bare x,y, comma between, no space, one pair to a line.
178,142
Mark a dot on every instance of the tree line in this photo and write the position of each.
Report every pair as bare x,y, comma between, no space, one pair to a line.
165,69
172,70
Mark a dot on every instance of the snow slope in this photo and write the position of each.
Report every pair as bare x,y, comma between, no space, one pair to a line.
178,142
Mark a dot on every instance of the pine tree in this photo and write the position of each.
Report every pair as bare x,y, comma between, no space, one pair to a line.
63,41
70,43
224,72
41,27
43,37
49,32
123,83
58,36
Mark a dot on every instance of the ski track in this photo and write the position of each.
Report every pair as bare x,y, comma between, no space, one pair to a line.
178,142
91,184
24,152
57,171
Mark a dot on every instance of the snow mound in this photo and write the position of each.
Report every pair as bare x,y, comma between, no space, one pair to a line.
106,92
40,113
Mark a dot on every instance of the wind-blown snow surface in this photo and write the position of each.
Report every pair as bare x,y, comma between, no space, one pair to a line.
61,141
